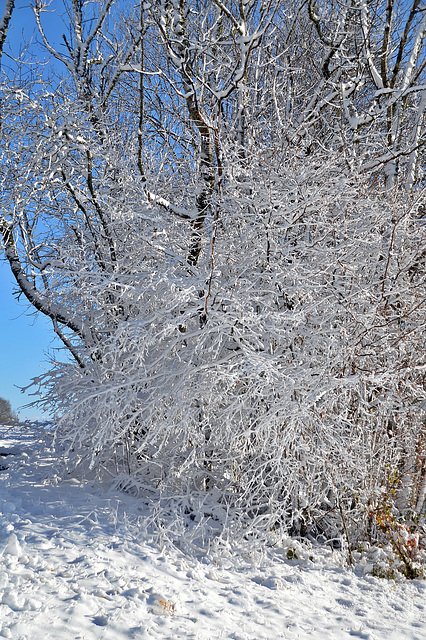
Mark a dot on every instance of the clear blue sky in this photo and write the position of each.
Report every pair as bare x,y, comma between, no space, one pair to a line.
24,339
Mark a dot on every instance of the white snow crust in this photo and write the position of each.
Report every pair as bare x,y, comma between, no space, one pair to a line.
76,563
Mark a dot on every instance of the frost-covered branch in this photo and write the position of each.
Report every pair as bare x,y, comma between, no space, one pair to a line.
42,304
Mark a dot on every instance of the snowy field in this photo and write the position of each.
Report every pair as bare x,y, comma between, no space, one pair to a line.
77,564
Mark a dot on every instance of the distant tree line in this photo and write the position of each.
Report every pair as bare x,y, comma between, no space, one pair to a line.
6,414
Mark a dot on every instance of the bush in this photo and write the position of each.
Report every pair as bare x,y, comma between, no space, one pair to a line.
278,387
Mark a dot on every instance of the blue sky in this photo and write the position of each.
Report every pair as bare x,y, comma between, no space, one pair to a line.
24,339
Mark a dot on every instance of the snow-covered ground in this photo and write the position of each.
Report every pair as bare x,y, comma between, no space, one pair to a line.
76,563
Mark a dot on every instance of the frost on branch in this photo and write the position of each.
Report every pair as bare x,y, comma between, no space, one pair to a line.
220,206
279,385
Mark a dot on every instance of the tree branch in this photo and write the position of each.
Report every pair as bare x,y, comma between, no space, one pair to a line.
47,307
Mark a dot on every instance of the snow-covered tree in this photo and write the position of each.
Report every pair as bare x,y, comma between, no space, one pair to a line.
372,84
6,414
196,204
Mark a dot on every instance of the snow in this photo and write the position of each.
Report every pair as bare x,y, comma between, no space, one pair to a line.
77,563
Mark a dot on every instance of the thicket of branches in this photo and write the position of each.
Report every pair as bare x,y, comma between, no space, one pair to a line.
220,206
